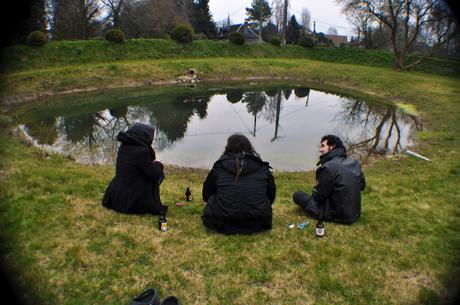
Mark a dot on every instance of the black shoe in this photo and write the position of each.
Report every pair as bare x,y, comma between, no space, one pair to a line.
148,297
171,300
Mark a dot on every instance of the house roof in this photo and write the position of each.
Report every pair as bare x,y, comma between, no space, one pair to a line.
336,39
242,28
247,32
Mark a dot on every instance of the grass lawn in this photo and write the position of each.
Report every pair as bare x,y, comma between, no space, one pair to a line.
60,246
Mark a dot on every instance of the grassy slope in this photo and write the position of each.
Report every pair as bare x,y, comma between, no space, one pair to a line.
65,248
83,65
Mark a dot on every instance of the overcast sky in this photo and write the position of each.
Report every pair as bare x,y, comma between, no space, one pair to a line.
326,13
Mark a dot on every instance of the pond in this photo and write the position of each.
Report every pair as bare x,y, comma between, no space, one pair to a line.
284,124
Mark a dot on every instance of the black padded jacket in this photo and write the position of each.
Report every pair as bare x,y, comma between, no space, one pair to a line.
339,185
243,204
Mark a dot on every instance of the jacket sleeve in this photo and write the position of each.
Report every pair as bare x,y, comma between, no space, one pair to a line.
325,183
271,187
209,185
153,170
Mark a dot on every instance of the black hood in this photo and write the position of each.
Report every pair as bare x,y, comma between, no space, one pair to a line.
337,152
247,163
137,134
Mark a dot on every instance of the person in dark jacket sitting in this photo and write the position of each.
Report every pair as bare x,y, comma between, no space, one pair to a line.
136,186
239,190
339,181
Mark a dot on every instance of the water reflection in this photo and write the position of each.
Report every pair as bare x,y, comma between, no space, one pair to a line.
284,124
381,127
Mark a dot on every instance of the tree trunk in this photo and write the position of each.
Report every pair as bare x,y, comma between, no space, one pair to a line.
399,59
260,31
283,33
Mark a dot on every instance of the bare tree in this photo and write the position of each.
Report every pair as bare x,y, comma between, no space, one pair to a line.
444,28
114,7
404,18
277,7
305,19
361,21
153,18
332,31
74,19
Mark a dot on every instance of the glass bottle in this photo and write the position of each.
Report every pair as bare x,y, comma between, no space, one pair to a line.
320,229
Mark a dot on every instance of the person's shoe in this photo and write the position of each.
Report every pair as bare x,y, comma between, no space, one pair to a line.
148,297
171,300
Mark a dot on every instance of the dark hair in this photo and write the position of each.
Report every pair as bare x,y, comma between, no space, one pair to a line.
237,146
333,141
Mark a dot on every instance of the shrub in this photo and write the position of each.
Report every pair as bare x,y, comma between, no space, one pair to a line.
182,33
236,38
275,41
306,42
37,39
200,36
115,35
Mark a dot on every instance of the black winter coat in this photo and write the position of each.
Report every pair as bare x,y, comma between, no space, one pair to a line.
339,185
240,205
135,187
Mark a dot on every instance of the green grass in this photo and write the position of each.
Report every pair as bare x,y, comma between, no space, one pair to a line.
63,67
71,53
60,246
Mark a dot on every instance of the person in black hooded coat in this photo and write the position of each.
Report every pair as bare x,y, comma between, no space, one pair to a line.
135,189
239,190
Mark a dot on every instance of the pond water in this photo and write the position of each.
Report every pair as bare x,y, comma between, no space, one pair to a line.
284,125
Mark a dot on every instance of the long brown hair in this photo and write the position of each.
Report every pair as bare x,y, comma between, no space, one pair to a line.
239,146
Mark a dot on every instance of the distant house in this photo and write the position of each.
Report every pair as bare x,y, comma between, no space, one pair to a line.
244,29
337,40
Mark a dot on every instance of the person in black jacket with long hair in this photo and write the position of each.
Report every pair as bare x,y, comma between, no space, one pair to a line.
239,190
135,189
339,181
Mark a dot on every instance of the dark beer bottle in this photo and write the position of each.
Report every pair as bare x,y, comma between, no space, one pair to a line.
188,193
162,222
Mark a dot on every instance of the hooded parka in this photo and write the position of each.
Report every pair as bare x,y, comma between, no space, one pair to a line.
239,205
135,187
339,185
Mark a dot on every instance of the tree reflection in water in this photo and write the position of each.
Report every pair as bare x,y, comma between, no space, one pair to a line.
380,126
91,137
255,102
43,131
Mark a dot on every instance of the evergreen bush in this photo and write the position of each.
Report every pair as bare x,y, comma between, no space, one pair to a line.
115,35
37,39
200,36
182,33
306,42
236,38
275,41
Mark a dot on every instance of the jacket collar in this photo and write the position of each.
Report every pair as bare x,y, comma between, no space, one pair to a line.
338,152
248,163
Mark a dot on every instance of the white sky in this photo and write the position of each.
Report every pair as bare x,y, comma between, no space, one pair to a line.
326,13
